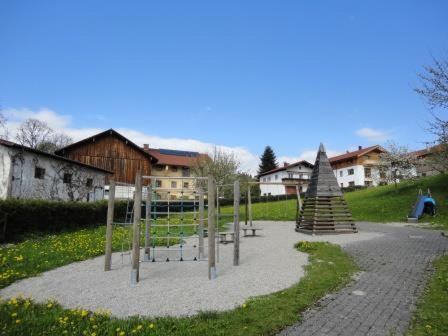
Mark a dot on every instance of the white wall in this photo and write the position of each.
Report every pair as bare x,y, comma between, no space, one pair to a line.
5,170
23,183
297,172
345,179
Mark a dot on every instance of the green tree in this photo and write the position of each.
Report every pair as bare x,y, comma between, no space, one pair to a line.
268,161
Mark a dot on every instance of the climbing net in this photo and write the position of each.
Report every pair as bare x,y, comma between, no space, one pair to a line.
175,220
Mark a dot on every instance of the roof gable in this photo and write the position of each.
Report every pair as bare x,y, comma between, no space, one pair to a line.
49,155
356,154
176,157
109,132
275,170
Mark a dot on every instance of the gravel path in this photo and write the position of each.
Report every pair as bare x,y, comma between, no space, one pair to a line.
382,298
268,264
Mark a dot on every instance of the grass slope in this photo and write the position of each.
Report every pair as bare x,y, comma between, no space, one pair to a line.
431,317
381,204
385,204
329,269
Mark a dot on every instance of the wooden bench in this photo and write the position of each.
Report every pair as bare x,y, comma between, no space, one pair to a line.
254,230
224,235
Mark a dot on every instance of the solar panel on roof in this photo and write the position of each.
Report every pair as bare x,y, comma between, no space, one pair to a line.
178,152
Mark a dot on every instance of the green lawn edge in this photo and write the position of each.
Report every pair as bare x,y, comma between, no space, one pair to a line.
431,316
330,268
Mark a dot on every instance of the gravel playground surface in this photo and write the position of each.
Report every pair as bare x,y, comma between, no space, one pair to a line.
268,263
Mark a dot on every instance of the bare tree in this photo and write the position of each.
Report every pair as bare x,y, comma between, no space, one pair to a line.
223,166
57,141
3,127
38,135
435,83
397,164
33,132
435,90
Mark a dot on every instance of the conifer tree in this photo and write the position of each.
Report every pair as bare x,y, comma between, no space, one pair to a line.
268,161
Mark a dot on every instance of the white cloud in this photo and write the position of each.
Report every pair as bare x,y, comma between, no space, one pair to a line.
62,123
374,135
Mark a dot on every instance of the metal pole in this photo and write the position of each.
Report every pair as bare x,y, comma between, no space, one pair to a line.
201,223
236,223
211,228
136,229
147,255
109,225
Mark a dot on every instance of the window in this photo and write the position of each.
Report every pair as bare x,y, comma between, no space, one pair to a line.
173,184
342,185
158,183
341,173
186,172
173,168
186,184
367,172
368,183
89,183
276,176
290,175
382,174
39,173
351,184
269,179
67,178
159,168
351,171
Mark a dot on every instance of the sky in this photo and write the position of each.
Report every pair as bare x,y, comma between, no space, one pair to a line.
239,75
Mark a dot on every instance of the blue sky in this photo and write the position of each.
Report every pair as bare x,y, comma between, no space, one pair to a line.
241,74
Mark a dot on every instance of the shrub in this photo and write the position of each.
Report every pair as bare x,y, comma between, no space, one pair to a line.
19,218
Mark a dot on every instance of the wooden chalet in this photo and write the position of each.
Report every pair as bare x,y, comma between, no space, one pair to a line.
111,151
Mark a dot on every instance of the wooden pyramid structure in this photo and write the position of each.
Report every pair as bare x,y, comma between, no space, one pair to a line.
324,209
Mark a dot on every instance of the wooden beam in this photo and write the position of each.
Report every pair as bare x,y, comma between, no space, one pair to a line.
109,226
136,230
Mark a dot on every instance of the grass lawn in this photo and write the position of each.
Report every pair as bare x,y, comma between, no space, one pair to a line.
329,269
381,204
431,317
42,253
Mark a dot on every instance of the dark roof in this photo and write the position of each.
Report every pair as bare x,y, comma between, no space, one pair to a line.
105,133
53,156
175,157
323,181
303,162
355,154
427,151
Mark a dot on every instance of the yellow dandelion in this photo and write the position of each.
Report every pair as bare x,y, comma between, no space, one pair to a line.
18,321
19,258
244,305
139,327
13,314
49,305
84,313
151,326
122,333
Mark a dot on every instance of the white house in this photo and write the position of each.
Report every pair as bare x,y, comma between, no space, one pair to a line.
290,175
29,173
358,168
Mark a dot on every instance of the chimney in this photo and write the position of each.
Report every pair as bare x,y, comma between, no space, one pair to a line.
285,164
145,146
359,147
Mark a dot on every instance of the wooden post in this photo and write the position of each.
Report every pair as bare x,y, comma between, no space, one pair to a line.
245,206
109,225
211,228
249,201
136,229
201,223
147,255
236,223
299,203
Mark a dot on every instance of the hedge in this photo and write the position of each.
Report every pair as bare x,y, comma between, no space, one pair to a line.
20,218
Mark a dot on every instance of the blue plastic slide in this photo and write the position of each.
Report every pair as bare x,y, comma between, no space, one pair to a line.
417,210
